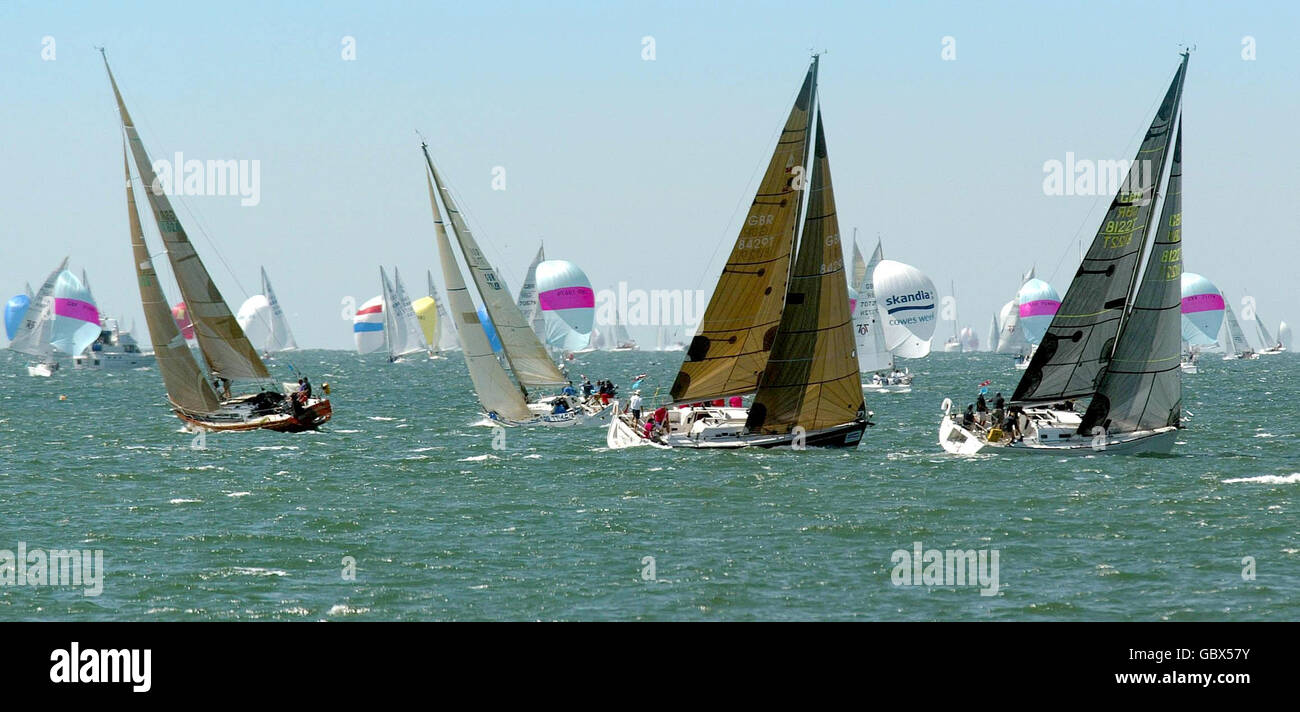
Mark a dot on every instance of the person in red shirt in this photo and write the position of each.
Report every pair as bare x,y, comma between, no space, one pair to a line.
737,402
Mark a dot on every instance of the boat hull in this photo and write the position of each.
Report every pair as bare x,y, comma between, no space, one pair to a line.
234,419
957,440
728,434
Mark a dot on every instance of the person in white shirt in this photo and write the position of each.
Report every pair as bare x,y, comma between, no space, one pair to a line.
634,405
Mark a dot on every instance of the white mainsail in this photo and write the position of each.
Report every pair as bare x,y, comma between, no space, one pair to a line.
872,354
281,338
406,319
33,335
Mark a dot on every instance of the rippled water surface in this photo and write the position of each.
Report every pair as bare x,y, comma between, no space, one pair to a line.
443,526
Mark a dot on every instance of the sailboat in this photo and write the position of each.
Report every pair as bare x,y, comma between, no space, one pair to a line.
776,328
1235,345
504,402
618,337
1268,346
874,357
1116,337
1202,318
1036,305
264,323
32,337
226,350
1284,335
401,326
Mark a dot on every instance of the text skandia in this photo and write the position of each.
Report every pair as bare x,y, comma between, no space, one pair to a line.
91,665
211,177
920,296
954,567
56,567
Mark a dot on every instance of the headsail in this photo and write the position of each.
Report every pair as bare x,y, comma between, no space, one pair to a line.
811,379
872,353
1081,339
733,340
224,346
495,391
33,334
185,383
1236,342
528,359
1142,385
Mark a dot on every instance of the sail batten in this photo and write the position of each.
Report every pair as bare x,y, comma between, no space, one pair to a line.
1071,359
221,340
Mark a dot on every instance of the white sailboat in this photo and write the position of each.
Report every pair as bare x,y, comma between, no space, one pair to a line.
775,327
874,357
1116,337
225,349
401,326
503,401
37,327
1268,346
264,323
1235,345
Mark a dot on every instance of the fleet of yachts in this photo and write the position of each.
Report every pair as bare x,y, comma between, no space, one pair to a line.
790,344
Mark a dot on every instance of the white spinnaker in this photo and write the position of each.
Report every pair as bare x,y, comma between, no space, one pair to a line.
33,335
1284,335
254,317
906,299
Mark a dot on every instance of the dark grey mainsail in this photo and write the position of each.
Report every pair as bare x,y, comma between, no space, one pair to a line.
1070,359
1142,386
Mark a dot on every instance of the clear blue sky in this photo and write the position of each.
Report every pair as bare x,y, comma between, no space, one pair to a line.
634,169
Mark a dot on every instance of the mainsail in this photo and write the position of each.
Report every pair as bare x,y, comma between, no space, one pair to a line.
186,385
1266,340
406,321
495,391
1071,358
811,378
1236,342
733,340
872,353
528,359
528,302
281,338
33,334
1141,388
222,342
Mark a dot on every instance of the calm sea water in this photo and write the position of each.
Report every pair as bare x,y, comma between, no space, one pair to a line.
443,526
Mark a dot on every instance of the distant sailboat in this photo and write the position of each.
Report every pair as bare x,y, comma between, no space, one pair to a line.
405,337
777,328
33,334
1235,345
264,323
225,348
502,400
874,357
1268,346
1116,337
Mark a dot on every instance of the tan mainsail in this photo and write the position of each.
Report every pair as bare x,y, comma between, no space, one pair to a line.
811,379
222,341
495,391
186,385
528,358
733,340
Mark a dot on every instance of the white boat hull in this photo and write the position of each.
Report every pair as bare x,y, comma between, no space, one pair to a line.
958,440
112,361
723,428
41,370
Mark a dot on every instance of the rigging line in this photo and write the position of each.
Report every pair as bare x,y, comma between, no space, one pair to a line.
1129,148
